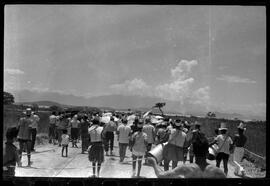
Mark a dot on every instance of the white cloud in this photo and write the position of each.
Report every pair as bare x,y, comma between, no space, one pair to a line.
235,79
13,71
183,69
136,86
201,96
176,90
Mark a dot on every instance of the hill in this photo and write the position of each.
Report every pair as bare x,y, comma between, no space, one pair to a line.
124,102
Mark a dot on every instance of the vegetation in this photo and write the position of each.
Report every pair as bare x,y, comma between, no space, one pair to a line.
8,98
159,106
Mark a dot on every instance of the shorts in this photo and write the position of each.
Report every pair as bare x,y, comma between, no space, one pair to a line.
135,153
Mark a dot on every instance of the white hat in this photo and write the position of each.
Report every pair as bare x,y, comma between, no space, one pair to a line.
223,126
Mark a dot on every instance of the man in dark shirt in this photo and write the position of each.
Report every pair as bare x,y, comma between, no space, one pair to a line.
10,154
239,142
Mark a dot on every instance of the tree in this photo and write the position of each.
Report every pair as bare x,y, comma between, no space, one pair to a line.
8,98
35,107
159,106
55,108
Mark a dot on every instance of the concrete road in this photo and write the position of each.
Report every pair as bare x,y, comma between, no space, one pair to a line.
48,162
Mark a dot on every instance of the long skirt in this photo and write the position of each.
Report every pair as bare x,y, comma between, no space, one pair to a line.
74,133
96,152
173,152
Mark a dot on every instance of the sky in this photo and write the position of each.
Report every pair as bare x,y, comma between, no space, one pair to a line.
212,56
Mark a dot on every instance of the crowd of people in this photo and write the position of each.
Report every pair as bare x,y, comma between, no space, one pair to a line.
180,138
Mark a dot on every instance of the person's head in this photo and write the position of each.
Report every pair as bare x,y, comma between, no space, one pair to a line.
241,128
53,113
65,131
178,124
112,119
11,133
140,125
147,120
124,121
28,112
95,121
197,125
85,117
223,131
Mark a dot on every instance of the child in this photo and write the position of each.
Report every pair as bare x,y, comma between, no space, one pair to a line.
138,146
11,154
65,141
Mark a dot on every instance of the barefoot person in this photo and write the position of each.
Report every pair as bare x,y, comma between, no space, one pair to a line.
24,134
95,150
199,169
239,142
35,119
138,147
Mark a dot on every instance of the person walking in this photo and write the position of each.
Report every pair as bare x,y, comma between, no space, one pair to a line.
84,133
138,145
61,125
10,154
24,134
173,151
65,142
34,126
224,141
52,128
123,135
95,150
151,135
109,129
239,142
74,130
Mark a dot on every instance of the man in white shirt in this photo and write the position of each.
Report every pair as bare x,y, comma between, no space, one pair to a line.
123,132
35,119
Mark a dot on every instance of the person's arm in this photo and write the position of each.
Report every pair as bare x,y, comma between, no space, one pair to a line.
176,172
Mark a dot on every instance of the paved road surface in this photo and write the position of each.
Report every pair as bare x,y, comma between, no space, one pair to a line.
48,162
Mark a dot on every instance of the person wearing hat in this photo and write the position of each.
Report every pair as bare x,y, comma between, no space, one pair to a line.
149,130
239,142
10,153
95,150
173,151
24,134
224,142
123,135
138,145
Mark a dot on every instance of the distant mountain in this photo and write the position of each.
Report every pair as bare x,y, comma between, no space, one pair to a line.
44,103
122,102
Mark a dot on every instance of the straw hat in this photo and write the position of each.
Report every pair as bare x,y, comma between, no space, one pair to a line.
241,126
223,126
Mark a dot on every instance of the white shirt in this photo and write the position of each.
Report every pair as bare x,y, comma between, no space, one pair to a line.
150,132
65,139
226,146
35,119
124,132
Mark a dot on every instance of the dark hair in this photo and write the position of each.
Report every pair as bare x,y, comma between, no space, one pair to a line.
12,132
223,131
65,131
216,131
200,144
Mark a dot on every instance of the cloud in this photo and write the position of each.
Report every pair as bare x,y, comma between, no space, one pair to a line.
201,96
176,90
136,86
183,69
13,71
235,79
